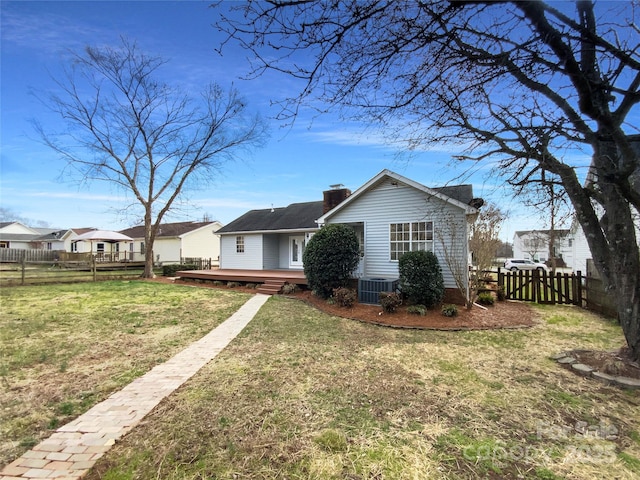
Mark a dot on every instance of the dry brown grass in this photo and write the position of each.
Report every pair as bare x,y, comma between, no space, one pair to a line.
300,394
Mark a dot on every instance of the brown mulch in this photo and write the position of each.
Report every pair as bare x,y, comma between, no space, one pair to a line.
501,315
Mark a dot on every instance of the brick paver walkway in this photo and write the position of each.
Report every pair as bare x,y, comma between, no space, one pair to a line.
74,448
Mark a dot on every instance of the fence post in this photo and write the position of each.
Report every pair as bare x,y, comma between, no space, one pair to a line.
578,287
93,268
23,262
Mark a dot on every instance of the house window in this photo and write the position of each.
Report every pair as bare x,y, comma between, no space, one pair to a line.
49,246
141,248
409,237
74,247
239,244
4,244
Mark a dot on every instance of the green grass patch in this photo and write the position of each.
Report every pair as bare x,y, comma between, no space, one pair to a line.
65,347
303,395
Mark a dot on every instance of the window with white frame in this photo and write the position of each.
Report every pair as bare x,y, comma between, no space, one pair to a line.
240,244
409,237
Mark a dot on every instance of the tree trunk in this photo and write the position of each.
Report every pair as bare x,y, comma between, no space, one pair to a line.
149,237
619,262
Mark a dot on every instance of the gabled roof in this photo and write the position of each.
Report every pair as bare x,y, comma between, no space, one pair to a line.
168,229
297,216
52,236
18,237
458,195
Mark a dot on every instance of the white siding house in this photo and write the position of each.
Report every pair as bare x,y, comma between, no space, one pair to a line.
393,214
176,241
390,214
534,245
19,236
269,239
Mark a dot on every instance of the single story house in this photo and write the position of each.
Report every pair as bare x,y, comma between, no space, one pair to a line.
19,236
176,241
390,214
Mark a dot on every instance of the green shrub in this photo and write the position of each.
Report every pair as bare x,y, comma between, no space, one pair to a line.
421,278
233,284
485,298
449,310
390,301
251,285
502,296
345,297
417,310
170,270
330,257
218,283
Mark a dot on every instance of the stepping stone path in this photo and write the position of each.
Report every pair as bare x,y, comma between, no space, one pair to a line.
74,448
566,359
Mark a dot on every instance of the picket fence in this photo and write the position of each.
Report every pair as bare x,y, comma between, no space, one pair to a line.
557,288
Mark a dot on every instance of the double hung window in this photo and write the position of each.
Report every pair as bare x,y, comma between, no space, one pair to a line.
409,237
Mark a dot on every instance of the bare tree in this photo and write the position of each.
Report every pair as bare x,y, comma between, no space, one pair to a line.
535,242
550,200
520,83
126,127
485,242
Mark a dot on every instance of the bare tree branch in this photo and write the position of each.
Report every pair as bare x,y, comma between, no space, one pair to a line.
125,127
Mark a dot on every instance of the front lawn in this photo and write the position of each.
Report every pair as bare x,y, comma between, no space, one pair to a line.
304,395
66,347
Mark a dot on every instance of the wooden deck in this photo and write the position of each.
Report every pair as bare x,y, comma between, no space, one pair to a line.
250,276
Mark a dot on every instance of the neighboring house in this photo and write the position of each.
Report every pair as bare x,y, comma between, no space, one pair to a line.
390,214
52,240
17,235
175,241
534,245
72,245
581,252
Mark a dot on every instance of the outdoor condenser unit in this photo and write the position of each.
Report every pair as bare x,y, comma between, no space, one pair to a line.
369,288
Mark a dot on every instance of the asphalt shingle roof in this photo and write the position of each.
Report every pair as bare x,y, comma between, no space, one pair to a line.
462,193
166,229
297,216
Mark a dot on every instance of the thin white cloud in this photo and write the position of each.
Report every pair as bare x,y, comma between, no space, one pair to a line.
76,196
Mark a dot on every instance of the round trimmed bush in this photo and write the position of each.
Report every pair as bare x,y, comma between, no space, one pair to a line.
330,257
421,280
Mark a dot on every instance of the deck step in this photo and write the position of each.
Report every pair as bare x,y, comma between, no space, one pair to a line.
271,286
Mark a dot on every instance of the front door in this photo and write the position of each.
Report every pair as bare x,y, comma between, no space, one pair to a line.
296,248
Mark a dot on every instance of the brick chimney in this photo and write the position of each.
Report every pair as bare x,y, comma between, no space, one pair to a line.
333,197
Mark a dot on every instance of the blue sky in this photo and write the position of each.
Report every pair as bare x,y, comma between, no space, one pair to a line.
296,165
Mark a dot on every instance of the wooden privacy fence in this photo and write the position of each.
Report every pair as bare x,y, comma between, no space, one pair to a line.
17,255
542,287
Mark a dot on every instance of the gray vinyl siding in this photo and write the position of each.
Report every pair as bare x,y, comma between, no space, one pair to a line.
387,203
251,259
284,251
270,245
